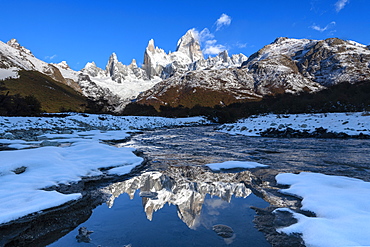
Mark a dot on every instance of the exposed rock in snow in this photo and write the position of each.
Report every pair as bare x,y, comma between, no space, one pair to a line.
14,43
13,55
187,57
120,73
285,66
155,60
206,87
189,45
92,70
63,65
119,84
326,62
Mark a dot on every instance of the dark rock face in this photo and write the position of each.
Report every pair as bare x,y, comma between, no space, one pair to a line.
44,228
223,231
318,133
267,221
83,235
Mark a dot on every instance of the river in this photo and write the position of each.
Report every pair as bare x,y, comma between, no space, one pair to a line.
175,201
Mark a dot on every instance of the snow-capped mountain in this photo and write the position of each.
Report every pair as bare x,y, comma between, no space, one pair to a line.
185,77
128,81
327,62
118,84
187,57
284,66
14,57
173,187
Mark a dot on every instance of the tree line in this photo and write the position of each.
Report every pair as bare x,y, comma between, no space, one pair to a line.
344,97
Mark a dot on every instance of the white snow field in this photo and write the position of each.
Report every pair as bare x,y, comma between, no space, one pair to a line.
233,165
341,205
80,121
66,150
349,123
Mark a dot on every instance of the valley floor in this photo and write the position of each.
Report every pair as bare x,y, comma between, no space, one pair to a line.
38,154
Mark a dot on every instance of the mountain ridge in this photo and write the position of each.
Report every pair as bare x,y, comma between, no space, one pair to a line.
284,66
185,77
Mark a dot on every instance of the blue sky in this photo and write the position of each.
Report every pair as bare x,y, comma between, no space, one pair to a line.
80,31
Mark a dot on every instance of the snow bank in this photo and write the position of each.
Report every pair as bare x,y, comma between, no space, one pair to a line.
8,73
349,123
25,173
65,150
342,206
233,165
91,121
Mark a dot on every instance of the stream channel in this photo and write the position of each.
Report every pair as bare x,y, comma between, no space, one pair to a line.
174,200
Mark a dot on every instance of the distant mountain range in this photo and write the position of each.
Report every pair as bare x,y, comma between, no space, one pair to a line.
186,78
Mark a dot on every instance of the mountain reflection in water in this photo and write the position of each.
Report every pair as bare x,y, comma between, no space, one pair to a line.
187,192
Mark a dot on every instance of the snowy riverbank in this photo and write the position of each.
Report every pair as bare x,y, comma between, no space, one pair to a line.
351,124
342,210
41,152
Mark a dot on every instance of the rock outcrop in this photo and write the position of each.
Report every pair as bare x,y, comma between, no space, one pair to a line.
284,66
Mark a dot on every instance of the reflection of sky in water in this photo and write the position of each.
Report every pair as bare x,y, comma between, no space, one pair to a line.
215,205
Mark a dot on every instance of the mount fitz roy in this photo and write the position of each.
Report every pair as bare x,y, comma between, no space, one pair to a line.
284,66
119,84
185,77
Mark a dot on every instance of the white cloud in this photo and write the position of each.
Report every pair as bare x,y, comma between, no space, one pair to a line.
205,35
224,20
51,57
340,4
212,48
211,42
241,45
322,29
208,41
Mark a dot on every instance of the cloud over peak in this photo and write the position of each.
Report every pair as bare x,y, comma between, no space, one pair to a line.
339,5
51,57
322,29
224,20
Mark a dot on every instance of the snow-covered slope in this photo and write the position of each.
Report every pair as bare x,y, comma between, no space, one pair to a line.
205,87
117,84
187,57
327,62
14,57
350,123
126,82
285,66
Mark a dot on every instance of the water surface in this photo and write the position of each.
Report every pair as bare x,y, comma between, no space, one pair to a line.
175,201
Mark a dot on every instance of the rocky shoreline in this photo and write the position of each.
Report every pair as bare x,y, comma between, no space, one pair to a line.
317,133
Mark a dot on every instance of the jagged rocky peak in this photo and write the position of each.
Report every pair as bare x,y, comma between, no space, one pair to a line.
155,60
111,65
280,40
189,44
150,46
93,70
224,55
325,62
63,65
14,43
238,59
133,64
